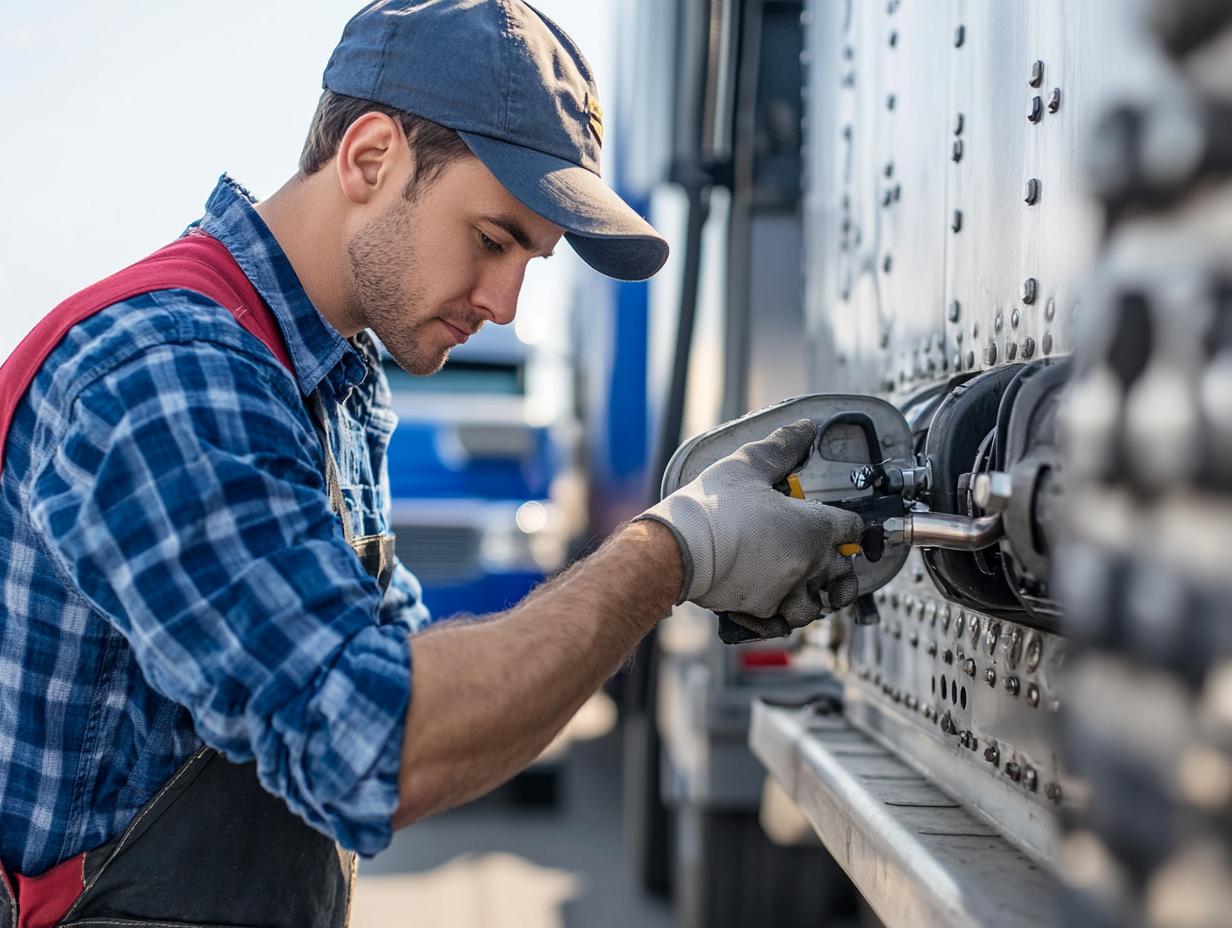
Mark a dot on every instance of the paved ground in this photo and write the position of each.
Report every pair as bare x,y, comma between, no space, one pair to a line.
496,865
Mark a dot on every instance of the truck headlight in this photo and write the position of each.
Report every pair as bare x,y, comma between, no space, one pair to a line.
531,540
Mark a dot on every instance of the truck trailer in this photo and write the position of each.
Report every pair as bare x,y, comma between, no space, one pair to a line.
1001,230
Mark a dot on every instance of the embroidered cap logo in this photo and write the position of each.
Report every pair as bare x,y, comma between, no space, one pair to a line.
595,111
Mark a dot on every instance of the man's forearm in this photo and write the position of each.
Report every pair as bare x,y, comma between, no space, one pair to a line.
488,697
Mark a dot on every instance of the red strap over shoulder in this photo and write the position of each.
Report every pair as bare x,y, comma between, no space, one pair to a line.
196,262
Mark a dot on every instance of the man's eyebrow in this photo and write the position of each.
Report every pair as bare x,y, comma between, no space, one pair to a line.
516,230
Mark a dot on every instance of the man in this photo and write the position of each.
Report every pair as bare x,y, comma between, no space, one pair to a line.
217,681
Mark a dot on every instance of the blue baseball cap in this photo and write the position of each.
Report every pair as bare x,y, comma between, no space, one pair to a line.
522,97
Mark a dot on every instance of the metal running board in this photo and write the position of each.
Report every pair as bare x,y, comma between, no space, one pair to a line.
918,857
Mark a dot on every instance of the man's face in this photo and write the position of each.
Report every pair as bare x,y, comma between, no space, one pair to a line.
429,272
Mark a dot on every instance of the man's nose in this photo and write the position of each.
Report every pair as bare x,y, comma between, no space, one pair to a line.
498,290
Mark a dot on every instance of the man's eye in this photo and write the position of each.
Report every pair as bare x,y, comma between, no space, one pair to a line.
490,245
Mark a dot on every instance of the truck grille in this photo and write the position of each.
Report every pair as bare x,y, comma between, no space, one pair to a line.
439,553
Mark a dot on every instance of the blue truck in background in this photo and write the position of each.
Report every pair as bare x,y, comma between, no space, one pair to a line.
483,476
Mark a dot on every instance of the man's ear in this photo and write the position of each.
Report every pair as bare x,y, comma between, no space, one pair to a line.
371,156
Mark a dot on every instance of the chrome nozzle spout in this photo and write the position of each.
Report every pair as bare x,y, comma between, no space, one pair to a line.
942,530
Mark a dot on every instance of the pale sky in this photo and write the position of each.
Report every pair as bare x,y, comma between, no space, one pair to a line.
119,116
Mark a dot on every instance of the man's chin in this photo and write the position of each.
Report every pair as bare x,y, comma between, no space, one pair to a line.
422,365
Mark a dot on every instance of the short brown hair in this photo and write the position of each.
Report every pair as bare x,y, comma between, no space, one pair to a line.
434,145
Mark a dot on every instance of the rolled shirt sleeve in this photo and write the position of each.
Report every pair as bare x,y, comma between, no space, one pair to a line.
186,502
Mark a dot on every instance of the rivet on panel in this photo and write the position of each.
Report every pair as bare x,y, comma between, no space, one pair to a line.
990,677
1047,343
1035,651
959,123
1054,100
956,222
960,36
1028,348
990,353
1050,311
1033,191
1030,289
955,310
1036,112
1037,74
1015,317
957,154
1011,351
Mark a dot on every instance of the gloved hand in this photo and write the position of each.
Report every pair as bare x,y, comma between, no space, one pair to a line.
749,550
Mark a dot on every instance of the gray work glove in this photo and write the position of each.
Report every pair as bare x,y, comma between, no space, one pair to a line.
769,560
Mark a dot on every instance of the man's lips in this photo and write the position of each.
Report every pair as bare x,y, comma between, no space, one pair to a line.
460,335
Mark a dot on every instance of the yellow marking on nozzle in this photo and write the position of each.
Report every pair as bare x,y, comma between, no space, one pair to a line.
849,550
793,482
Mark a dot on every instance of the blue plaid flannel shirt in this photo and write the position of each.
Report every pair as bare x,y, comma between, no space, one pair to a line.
173,573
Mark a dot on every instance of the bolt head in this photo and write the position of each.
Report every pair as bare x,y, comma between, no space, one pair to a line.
1037,74
968,667
955,310
1047,343
992,491
1028,348
1030,289
990,677
1036,112
1030,779
1011,351
959,123
1033,695
1011,685
957,152
1054,100
1031,196
991,754
960,36
1013,771
990,354
956,223
1053,792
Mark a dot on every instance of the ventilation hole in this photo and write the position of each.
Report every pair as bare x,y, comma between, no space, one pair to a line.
934,686
962,697
945,689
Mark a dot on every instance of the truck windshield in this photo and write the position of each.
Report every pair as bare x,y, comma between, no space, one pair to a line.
457,376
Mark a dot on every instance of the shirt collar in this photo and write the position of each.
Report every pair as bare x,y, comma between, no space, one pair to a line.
315,346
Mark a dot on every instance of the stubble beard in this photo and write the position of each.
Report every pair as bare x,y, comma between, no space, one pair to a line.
380,255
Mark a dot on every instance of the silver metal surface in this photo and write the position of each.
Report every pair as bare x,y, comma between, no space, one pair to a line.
883,183
918,857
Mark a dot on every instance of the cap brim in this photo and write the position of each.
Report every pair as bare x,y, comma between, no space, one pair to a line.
602,228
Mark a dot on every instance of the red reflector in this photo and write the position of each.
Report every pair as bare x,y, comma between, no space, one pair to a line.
757,659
